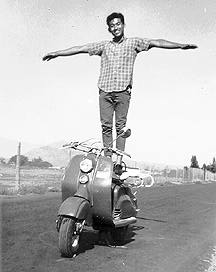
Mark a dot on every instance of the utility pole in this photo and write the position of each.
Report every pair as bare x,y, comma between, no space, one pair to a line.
17,186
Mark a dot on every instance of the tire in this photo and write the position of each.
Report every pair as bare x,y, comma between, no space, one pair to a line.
119,235
68,240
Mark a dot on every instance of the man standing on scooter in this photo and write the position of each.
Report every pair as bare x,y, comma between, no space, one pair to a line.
116,73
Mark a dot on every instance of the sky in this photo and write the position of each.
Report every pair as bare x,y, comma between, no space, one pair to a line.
172,110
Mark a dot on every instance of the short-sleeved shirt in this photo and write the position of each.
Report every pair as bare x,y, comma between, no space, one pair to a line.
117,62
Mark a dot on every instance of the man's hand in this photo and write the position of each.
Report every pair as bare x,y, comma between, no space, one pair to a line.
50,56
189,46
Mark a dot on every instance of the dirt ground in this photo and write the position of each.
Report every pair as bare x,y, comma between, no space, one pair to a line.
175,232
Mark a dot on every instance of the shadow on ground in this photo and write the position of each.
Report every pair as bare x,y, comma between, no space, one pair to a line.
91,238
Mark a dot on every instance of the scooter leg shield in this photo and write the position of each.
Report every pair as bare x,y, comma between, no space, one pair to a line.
74,207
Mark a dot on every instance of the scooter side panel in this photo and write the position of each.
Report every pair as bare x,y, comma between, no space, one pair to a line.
69,182
75,207
102,204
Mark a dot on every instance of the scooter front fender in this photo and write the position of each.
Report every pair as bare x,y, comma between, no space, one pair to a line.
75,207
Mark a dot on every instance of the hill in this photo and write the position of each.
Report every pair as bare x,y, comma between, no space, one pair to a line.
59,157
52,153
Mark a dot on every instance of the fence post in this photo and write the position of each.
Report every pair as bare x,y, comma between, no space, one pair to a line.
17,186
204,174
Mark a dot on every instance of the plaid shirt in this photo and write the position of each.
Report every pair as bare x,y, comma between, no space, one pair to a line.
117,62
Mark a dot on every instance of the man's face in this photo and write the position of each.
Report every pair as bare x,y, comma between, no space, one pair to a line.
116,27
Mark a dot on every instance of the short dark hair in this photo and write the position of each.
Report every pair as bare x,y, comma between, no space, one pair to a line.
113,16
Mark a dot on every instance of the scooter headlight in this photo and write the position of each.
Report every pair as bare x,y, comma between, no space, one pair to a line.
86,166
83,179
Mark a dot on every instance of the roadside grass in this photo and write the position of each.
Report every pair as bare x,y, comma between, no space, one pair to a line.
30,189
32,180
41,181
165,181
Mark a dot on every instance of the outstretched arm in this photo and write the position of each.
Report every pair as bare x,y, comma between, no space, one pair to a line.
160,43
66,52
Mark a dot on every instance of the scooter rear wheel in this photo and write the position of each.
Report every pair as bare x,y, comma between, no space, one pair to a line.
68,238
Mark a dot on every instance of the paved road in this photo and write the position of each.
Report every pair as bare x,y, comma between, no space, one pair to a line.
175,232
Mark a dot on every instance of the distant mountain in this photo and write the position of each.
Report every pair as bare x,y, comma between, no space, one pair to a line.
60,157
150,165
52,154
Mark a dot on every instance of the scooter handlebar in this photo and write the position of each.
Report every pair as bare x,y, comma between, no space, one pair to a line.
78,145
71,145
81,147
120,152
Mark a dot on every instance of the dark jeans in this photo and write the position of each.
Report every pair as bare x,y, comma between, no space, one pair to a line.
109,103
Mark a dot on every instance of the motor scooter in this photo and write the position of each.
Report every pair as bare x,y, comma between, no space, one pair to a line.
93,194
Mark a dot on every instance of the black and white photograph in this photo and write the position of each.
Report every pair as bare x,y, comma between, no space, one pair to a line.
107,136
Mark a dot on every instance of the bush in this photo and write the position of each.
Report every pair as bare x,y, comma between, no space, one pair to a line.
40,164
2,160
24,161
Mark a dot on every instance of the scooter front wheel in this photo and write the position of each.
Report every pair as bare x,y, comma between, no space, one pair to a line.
69,237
